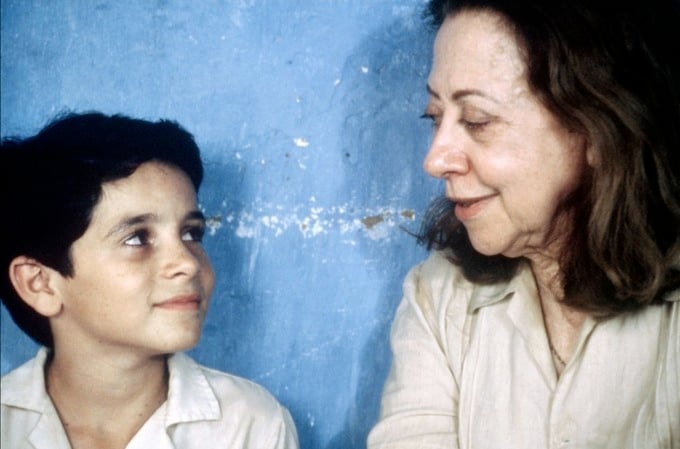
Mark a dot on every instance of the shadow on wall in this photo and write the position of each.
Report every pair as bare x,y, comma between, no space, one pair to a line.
384,143
223,190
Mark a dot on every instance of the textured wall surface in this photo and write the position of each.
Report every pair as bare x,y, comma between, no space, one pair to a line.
307,115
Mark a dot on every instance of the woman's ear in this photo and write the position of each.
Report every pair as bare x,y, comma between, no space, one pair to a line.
33,282
592,156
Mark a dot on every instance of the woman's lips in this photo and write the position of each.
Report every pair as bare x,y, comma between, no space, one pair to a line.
467,209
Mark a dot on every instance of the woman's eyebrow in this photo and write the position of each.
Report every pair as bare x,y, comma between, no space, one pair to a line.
462,93
431,91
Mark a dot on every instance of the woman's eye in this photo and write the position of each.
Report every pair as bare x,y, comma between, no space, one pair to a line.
139,238
474,125
475,120
434,119
193,234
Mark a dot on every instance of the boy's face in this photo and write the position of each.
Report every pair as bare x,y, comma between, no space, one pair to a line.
142,280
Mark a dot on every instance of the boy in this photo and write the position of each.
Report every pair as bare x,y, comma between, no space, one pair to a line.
104,267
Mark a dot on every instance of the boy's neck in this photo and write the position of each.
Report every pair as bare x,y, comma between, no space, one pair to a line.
88,392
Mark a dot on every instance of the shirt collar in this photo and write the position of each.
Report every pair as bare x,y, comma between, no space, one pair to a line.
190,396
486,295
523,281
25,387
672,296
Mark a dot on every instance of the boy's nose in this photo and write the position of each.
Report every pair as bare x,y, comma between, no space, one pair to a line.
179,259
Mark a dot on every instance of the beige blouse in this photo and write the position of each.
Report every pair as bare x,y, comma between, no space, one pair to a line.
472,369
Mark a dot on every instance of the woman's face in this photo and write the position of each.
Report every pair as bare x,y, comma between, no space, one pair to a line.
508,164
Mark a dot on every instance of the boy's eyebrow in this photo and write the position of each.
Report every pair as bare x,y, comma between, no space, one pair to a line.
195,215
130,222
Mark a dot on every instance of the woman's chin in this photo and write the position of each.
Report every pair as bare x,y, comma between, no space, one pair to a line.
494,248
485,247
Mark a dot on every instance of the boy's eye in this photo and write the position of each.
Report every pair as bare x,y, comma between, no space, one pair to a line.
193,234
139,238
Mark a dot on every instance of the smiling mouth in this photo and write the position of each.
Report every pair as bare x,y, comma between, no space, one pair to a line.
465,203
183,302
469,202
468,209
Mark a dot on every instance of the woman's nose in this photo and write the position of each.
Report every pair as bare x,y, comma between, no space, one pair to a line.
446,155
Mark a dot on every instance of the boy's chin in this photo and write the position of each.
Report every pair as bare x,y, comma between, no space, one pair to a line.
184,345
179,344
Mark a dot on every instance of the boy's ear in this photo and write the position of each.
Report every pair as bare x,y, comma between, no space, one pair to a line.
33,281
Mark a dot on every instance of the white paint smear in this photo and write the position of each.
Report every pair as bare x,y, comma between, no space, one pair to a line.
301,142
267,219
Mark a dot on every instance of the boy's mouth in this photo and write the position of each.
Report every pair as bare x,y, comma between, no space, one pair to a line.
181,302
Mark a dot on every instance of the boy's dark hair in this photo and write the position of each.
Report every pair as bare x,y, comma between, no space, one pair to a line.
51,183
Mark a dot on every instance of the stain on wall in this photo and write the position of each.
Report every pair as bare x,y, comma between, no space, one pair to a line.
307,113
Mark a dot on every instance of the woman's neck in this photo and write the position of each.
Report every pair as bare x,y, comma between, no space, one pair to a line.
562,323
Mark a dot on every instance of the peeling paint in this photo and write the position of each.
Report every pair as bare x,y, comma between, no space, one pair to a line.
301,142
408,214
311,221
213,223
371,221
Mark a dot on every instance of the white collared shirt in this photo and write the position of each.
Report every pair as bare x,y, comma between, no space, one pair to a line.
472,369
205,409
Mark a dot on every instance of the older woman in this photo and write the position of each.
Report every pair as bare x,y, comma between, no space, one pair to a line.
549,316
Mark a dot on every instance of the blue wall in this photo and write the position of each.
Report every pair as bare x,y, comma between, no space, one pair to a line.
307,115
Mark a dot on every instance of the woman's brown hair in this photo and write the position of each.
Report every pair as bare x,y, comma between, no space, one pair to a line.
611,72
